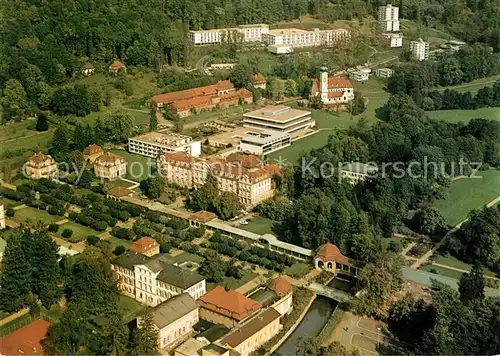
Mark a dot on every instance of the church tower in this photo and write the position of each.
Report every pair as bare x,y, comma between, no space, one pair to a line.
324,84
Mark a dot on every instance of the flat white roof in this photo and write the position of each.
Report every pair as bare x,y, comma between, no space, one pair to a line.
169,139
265,136
277,113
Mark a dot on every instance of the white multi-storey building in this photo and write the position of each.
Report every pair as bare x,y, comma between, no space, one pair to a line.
395,39
246,33
153,280
388,18
295,37
419,49
384,72
279,118
153,144
263,142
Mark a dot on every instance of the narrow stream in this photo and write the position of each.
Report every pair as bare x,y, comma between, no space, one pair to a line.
316,317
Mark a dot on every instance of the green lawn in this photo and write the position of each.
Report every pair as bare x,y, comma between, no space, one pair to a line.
129,308
465,115
80,232
186,256
35,215
292,154
233,283
259,225
298,270
115,242
474,85
435,37
456,263
442,271
138,167
467,194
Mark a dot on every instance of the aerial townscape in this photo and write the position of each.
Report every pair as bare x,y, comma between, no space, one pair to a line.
236,178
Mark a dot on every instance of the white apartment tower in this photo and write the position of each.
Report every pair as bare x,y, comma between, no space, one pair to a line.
419,49
388,18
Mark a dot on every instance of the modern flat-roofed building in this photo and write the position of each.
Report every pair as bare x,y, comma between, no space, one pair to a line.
419,49
384,72
246,33
395,39
296,37
356,172
360,75
262,142
153,144
388,18
279,118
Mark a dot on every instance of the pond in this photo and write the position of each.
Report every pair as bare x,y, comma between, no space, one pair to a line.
315,319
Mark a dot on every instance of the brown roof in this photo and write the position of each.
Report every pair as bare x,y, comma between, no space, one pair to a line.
195,102
229,303
281,286
108,158
203,216
92,149
258,79
333,82
240,335
331,253
116,65
168,98
245,159
273,169
25,341
179,156
39,158
119,192
144,244
335,94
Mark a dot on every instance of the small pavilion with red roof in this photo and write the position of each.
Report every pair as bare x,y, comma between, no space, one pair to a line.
329,258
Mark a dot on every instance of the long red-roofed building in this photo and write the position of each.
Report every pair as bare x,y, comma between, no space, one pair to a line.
190,101
226,307
25,341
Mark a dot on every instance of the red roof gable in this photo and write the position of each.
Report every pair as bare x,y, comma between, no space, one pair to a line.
331,253
281,286
144,244
229,303
335,94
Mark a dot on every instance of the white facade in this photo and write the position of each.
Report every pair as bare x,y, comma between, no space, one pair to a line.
179,329
280,49
388,18
395,39
419,49
384,72
334,90
264,142
248,33
2,215
279,118
359,75
154,143
297,38
284,305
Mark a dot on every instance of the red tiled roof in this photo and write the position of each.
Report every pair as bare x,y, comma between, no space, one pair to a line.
229,303
92,149
331,253
144,244
335,94
25,341
179,156
245,159
195,102
39,158
281,286
258,79
116,65
339,82
168,98
109,158
203,216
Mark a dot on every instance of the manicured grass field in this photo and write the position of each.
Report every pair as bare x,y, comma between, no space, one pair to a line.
138,167
233,283
35,215
129,308
456,263
186,256
298,270
443,271
465,115
115,242
80,232
292,153
467,194
259,225
474,85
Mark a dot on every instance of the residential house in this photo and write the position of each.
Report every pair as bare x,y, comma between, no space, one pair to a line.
226,307
116,67
41,166
259,81
384,72
360,75
110,165
336,91
146,245
92,152
152,280
248,337
419,49
88,69
26,340
395,39
174,319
